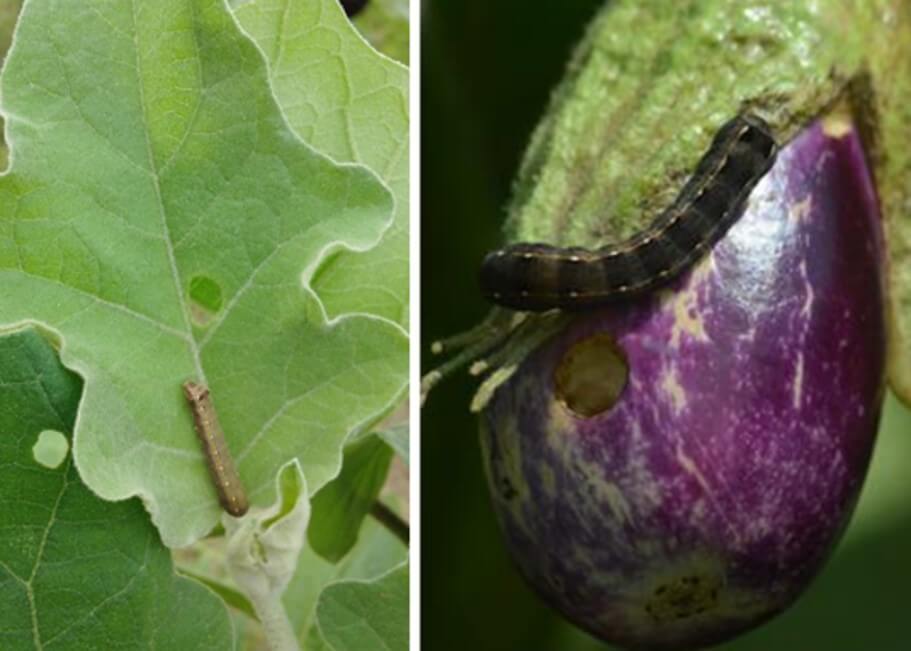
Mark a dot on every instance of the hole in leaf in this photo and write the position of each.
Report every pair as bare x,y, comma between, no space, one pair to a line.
591,376
205,299
51,448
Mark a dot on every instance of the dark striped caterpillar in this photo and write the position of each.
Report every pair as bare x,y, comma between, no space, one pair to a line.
539,277
230,491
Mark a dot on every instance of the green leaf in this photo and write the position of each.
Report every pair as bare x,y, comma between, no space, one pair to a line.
162,220
397,437
377,551
366,615
75,570
347,100
340,507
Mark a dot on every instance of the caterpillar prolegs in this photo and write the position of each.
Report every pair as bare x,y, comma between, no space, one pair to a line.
539,277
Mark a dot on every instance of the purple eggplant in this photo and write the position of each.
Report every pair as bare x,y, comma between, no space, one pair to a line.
673,471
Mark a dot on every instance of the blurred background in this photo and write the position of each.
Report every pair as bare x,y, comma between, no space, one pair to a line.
487,71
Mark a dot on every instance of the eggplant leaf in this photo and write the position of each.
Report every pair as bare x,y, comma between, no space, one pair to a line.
161,219
75,569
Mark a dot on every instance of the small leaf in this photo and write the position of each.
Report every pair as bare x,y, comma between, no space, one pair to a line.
75,570
347,100
340,506
377,551
366,615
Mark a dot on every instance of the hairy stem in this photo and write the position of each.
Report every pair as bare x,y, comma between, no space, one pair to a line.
276,625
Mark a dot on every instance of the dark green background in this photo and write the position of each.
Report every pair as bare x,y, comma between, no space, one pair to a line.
487,70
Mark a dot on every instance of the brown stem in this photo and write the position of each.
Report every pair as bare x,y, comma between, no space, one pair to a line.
391,520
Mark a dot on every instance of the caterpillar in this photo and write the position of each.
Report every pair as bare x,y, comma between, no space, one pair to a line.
231,494
538,277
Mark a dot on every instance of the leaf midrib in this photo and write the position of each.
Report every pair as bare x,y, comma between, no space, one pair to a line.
168,244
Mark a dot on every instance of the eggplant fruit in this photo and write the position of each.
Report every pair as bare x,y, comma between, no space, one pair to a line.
673,471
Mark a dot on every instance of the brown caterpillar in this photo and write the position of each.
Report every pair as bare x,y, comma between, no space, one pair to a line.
230,491
539,277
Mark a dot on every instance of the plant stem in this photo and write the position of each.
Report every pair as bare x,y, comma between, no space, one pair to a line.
391,520
276,625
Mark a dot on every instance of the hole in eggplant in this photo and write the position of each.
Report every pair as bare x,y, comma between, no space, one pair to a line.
591,376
